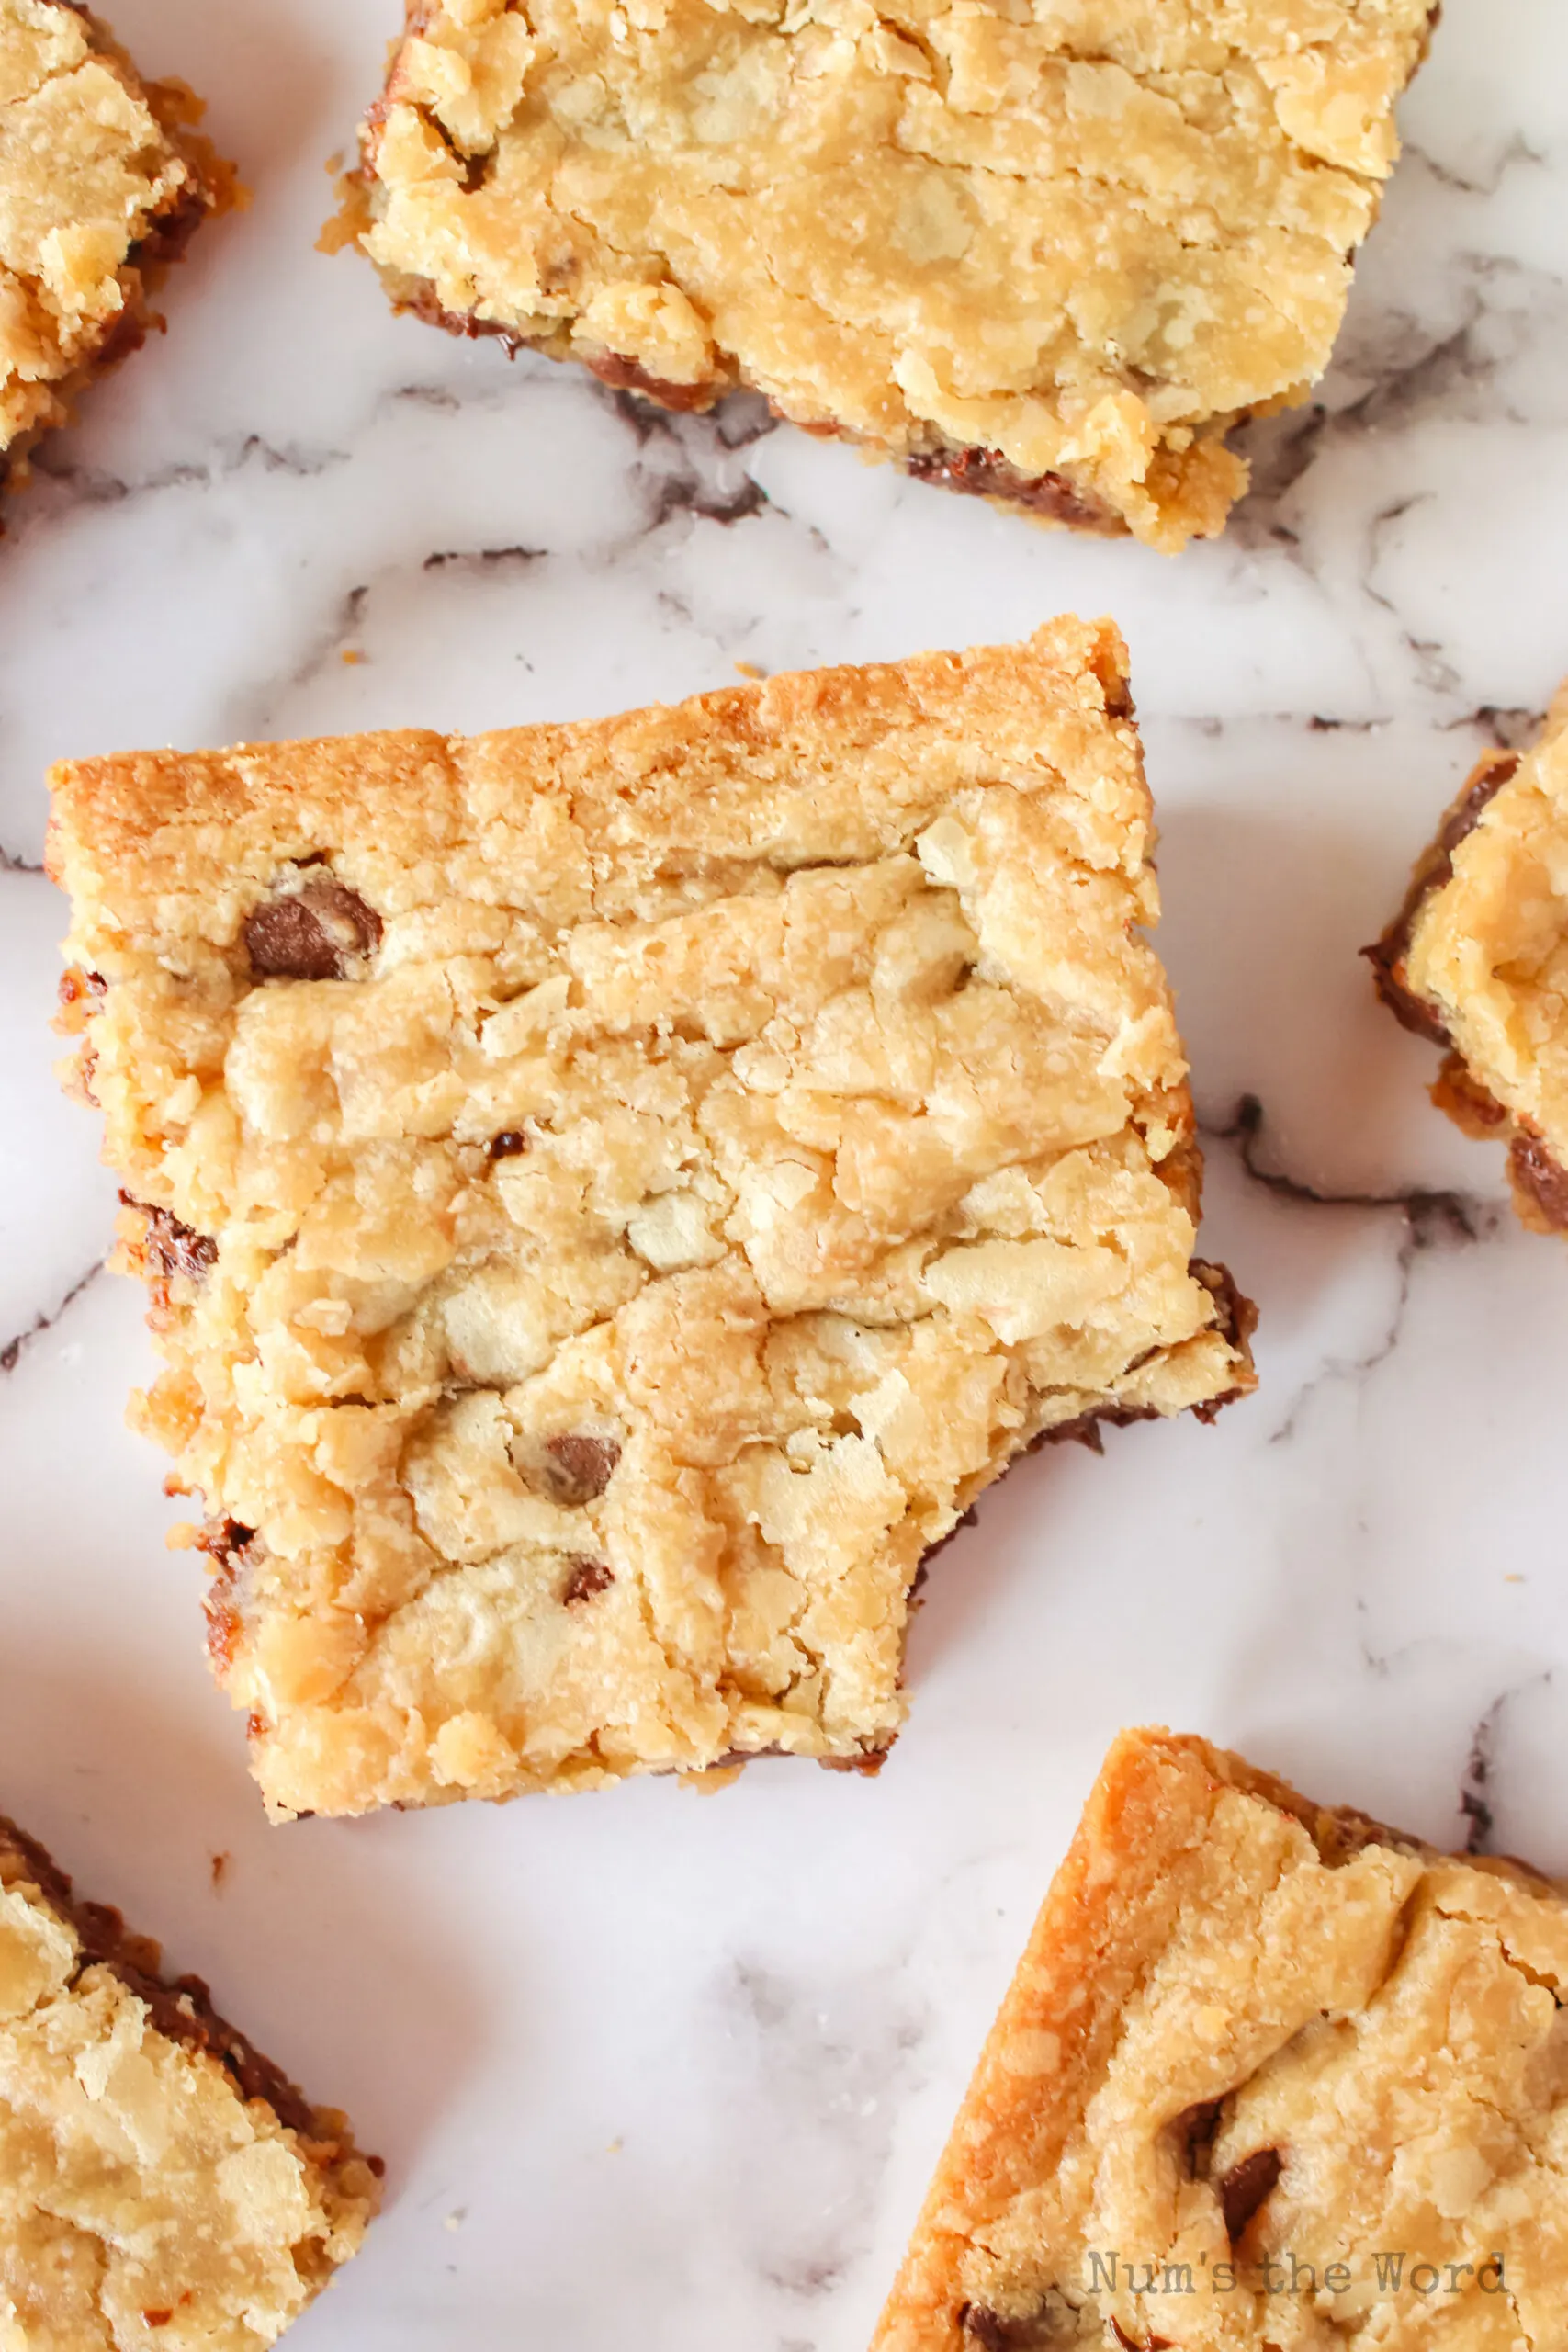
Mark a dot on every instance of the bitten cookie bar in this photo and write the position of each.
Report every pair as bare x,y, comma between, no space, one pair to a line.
102,184
1477,961
613,1194
1269,2075
160,2182
1048,256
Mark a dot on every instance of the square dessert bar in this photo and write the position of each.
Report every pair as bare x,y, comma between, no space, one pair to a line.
160,2182
1050,255
102,184
613,1194
1477,960
1269,2074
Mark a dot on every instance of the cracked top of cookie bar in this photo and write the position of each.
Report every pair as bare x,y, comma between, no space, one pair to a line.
99,179
1477,960
156,2174
613,1193
1070,242
1268,2074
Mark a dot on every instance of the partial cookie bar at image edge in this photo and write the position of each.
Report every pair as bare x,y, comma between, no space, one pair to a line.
612,1196
1476,961
1268,2071
1049,265
160,2180
103,181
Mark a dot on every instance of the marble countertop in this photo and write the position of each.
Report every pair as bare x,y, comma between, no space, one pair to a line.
662,2069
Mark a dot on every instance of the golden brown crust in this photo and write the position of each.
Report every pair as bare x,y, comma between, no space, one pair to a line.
1160,2045
770,1105
1051,260
1477,958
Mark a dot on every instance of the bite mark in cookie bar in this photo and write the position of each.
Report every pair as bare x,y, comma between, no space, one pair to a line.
1268,2074
156,2172
1476,961
612,1195
1048,258
103,183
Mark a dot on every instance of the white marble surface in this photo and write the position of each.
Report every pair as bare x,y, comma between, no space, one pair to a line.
659,2070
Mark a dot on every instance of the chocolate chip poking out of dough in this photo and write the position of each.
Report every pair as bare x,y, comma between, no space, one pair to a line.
1538,1175
995,2332
508,1144
1245,2185
581,1467
312,934
588,1577
170,1246
1194,2129
1130,2343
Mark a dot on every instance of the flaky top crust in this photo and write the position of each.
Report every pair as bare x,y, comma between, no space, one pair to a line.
718,1142
1063,248
1248,2029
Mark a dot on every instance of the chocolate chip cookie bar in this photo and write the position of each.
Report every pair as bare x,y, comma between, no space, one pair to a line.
1047,256
160,2182
612,1195
1477,960
1269,2074
103,183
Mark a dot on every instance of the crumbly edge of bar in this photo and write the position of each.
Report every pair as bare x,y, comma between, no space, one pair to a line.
181,2010
1053,501
1150,1804
213,189
109,813
1537,1179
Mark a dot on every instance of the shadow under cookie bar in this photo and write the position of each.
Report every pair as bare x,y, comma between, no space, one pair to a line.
59,97
85,2006
1538,1181
1245,2039
957,246
611,1196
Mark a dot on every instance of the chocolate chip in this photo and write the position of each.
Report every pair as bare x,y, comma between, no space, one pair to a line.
312,934
171,1246
624,375
1245,2188
1194,2129
986,473
588,1577
224,1540
997,2332
1130,2343
508,1144
581,1467
1534,1173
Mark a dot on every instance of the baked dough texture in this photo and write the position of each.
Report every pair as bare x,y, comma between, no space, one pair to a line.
1477,960
1269,2074
1050,250
614,1194
102,183
159,2184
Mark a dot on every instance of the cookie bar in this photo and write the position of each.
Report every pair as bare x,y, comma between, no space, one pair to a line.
1269,2074
102,185
160,2182
1047,256
1477,960
613,1194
